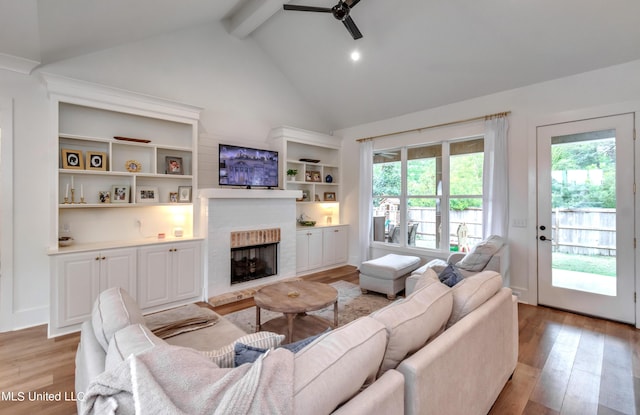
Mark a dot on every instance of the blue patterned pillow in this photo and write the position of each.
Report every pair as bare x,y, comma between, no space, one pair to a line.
249,354
246,354
450,276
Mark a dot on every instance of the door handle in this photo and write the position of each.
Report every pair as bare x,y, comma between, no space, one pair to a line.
544,238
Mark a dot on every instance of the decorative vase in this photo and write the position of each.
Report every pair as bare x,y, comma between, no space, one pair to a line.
328,179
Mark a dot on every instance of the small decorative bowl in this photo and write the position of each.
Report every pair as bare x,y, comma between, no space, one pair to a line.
307,222
65,241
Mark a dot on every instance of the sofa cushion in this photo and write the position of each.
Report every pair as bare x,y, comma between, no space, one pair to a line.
472,292
113,310
480,254
129,340
411,322
225,356
334,367
425,279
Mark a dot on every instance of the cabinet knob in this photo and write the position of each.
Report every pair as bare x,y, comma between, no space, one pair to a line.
97,258
103,258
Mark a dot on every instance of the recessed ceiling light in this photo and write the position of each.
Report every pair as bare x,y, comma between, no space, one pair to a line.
355,56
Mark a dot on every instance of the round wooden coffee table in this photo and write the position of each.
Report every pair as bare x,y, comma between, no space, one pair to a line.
294,299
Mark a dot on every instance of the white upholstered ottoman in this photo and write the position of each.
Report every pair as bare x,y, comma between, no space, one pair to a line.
387,274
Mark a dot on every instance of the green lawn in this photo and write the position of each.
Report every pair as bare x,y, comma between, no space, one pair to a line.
601,265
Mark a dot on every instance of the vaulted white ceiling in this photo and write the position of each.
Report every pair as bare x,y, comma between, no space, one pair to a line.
416,54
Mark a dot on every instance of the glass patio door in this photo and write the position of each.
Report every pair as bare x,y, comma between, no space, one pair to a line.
585,224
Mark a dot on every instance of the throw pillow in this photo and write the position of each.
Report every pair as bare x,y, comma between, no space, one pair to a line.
480,254
249,354
225,356
450,276
246,354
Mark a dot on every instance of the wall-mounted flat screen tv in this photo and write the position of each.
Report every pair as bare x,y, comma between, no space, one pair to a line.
247,167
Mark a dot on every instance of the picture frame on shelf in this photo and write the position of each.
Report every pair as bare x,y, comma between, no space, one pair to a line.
329,196
174,165
72,159
104,196
96,160
184,194
120,193
313,176
133,166
147,194
173,197
305,195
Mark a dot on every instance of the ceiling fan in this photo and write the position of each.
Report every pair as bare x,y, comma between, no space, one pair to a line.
340,11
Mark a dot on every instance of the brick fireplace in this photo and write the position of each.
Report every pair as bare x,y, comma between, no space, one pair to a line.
241,212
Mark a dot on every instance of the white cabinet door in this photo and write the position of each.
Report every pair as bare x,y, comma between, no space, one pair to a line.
118,269
81,277
315,249
302,251
169,273
334,242
78,286
186,259
308,249
154,276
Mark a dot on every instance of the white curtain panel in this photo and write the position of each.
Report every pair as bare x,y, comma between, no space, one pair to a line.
366,190
495,203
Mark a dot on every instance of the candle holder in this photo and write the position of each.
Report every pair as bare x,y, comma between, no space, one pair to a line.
66,200
73,196
82,200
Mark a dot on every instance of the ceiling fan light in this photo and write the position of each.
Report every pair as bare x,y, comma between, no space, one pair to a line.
355,56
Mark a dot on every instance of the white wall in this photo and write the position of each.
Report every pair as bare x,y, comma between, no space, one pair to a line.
602,92
243,95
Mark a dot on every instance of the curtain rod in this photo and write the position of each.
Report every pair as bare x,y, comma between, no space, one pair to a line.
483,117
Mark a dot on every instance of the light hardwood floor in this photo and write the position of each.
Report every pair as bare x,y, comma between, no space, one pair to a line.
568,364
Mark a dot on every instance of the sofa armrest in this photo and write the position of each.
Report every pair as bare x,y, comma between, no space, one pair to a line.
90,359
385,397
455,257
463,370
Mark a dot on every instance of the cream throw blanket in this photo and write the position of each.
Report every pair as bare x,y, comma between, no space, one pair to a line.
176,380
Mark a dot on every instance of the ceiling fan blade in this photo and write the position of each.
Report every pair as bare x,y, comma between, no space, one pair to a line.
352,3
306,8
352,28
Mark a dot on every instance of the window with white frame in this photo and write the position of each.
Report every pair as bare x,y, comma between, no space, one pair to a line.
429,196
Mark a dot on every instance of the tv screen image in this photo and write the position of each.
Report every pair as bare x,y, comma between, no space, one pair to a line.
247,167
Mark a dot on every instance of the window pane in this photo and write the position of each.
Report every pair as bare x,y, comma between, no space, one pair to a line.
386,173
424,170
424,222
386,217
465,224
466,161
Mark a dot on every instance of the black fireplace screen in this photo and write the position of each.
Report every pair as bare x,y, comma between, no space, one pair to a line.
253,262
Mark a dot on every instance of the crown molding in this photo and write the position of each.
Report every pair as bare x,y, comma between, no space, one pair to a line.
17,64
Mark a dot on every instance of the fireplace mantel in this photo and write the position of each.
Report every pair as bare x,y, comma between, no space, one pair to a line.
219,193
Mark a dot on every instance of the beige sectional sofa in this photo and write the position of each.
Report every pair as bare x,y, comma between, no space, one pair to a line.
441,350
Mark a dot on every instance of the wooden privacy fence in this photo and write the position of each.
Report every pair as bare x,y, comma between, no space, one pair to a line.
586,231
574,231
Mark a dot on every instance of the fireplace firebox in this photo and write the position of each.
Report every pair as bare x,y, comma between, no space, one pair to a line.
254,254
253,262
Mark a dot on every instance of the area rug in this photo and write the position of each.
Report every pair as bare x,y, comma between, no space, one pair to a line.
351,305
